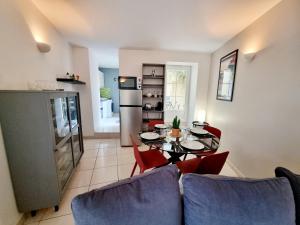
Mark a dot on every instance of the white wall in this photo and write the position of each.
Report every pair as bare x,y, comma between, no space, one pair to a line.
21,62
130,64
81,66
261,126
95,88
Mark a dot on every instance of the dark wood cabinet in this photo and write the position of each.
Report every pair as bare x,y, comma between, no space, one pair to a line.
153,93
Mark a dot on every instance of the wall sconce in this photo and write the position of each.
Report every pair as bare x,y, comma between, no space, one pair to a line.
43,47
250,56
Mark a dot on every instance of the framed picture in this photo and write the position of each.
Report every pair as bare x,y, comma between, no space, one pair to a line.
227,72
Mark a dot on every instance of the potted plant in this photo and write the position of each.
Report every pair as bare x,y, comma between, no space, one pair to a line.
175,127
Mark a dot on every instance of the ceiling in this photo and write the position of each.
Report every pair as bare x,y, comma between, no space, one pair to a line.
187,25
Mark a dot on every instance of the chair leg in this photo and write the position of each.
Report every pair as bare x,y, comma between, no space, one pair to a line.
133,169
184,156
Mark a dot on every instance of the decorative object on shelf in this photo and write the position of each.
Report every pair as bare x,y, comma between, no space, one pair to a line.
148,106
227,73
68,78
43,47
159,106
149,94
153,72
175,127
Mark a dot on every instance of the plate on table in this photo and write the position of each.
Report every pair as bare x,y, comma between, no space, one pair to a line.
196,123
192,145
149,136
199,131
161,126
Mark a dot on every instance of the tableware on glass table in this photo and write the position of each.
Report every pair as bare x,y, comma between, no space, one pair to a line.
167,146
192,145
161,126
199,131
163,132
184,133
149,135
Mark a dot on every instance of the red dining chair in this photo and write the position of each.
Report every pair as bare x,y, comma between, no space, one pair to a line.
147,159
211,164
152,123
212,142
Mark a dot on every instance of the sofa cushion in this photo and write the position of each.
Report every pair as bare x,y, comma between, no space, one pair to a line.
149,199
294,180
218,200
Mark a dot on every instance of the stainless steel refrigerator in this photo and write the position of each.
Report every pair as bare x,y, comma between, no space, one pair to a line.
130,110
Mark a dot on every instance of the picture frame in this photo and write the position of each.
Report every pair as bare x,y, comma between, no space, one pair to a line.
227,71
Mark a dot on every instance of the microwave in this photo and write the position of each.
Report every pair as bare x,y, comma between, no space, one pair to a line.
130,83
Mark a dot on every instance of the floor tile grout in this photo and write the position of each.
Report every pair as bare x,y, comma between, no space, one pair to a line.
101,146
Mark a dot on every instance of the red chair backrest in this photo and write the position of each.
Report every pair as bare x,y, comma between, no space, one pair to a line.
137,154
212,164
152,123
213,130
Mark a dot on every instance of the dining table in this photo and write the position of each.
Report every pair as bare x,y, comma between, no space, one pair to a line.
174,146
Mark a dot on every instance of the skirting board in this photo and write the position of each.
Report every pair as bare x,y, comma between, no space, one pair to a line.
103,136
235,169
22,220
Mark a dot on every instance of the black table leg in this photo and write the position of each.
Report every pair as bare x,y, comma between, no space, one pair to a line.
175,157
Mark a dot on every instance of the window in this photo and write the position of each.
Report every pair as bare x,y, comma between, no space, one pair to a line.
176,93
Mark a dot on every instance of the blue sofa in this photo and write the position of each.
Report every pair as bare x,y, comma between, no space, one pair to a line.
154,198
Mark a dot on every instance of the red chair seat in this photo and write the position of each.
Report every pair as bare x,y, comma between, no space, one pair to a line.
153,158
147,159
188,166
211,164
152,123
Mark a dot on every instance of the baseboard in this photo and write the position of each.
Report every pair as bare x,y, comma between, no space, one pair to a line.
103,136
235,169
22,220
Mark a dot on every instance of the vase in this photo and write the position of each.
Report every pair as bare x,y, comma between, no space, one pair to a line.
175,132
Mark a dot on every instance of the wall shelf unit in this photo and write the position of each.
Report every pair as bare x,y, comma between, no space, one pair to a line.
154,84
70,81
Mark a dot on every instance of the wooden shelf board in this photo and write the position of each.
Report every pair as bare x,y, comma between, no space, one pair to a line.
153,77
153,85
145,96
153,111
70,81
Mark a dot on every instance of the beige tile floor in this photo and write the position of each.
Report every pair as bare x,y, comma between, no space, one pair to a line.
103,162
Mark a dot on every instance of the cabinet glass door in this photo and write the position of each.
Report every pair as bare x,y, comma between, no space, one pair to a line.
64,162
76,144
73,107
60,118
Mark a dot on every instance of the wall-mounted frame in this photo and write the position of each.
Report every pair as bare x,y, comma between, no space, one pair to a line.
227,71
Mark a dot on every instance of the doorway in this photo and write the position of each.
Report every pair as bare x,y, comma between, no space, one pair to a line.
177,86
109,101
